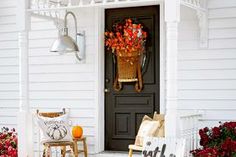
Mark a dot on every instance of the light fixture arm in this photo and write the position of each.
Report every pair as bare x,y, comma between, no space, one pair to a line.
65,24
75,20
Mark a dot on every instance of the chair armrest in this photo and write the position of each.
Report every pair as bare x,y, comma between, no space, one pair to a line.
134,147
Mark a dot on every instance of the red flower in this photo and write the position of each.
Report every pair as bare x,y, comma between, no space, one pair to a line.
201,132
8,143
145,34
216,132
204,140
218,141
206,129
229,125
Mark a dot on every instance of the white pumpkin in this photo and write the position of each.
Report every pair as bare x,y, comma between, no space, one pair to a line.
56,132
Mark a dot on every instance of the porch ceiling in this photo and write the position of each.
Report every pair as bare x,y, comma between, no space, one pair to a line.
198,5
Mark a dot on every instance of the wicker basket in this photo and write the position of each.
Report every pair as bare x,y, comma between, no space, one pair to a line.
128,70
127,67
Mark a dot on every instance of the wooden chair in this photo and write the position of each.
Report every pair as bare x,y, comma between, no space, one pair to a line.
84,149
62,144
158,117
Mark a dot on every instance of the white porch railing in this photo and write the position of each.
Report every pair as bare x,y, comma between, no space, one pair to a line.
189,126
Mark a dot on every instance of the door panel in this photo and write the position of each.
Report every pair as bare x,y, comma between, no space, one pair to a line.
125,109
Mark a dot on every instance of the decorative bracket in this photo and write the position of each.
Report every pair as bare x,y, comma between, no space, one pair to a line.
203,25
201,8
51,15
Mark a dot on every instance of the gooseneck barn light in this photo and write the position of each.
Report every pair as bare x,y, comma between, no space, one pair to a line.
66,44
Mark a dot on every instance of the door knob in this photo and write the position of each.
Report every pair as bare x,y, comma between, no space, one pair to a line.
107,80
106,90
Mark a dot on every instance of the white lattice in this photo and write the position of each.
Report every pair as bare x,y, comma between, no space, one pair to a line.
49,5
41,4
193,2
54,15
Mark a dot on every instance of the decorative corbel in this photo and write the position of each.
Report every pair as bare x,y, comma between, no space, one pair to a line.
202,14
203,26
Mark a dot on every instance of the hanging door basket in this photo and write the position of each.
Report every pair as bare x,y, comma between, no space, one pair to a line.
128,70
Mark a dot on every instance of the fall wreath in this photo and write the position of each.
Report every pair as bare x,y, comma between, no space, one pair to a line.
127,42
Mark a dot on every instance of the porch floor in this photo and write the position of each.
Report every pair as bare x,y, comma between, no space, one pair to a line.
115,154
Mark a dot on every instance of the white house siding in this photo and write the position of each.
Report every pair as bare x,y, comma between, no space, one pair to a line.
58,81
207,77
9,81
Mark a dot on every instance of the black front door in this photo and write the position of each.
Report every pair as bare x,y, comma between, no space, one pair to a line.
124,109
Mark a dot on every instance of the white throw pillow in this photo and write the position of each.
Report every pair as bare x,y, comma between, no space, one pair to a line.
54,129
148,128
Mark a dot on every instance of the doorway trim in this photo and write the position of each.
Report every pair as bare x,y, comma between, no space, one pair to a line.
99,16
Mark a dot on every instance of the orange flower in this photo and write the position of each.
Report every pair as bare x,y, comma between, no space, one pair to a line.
144,34
138,26
129,20
111,34
126,38
118,34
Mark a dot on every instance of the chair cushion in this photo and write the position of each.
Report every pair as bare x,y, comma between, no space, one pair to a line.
54,129
147,128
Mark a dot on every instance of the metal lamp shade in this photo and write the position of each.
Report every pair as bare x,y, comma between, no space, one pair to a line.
64,44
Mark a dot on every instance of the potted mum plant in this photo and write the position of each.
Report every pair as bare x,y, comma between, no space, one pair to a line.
127,42
218,141
8,143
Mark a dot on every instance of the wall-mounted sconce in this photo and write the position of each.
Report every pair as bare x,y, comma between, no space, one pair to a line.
65,44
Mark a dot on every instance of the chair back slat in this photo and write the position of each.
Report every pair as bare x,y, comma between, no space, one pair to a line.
51,114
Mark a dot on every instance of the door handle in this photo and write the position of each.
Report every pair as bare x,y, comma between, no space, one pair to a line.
107,80
106,90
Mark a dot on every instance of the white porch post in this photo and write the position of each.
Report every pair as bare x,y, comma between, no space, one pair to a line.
24,119
172,13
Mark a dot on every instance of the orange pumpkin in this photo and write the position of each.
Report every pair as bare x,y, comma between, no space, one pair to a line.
77,131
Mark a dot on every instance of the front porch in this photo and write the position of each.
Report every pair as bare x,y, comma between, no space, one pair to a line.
169,19
197,68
